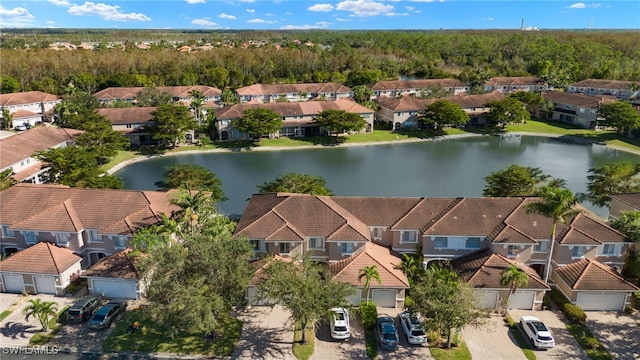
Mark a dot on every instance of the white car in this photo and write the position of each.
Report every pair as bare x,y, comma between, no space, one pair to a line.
537,332
412,327
339,323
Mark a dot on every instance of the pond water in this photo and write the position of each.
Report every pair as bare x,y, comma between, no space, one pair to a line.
453,167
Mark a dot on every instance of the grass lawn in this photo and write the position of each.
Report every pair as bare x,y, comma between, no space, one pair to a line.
454,353
589,343
41,338
303,351
5,314
121,156
155,340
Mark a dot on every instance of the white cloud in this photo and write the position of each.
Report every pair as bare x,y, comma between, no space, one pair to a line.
107,12
191,2
60,2
247,1
261,21
577,6
204,22
269,14
362,8
321,7
16,17
395,14
341,19
226,16
250,11
489,19
318,25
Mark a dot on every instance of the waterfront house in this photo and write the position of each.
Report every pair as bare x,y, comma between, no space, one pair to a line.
116,276
132,122
396,88
266,93
573,108
511,84
620,89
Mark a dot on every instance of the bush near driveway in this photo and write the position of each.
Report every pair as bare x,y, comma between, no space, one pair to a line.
152,337
454,353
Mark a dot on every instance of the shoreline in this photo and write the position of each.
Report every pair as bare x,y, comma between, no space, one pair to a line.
140,158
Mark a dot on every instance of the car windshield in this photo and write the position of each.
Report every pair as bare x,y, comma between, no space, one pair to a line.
539,326
417,333
98,317
414,320
339,316
73,312
545,338
341,328
389,336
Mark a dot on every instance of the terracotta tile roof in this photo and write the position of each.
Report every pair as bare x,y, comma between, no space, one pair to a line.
41,258
23,114
28,97
64,209
22,145
174,91
515,80
308,108
587,274
467,101
631,199
576,99
275,89
506,234
348,270
133,115
120,265
587,230
377,211
416,84
411,103
483,269
426,213
604,84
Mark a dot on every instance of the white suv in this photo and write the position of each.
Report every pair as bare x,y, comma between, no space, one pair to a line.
339,323
538,332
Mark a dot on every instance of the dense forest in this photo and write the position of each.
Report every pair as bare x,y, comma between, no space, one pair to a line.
349,57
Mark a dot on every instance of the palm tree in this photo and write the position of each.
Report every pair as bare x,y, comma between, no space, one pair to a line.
409,266
196,104
514,278
558,204
42,310
368,273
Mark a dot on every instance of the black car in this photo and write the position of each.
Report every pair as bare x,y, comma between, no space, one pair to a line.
103,318
82,309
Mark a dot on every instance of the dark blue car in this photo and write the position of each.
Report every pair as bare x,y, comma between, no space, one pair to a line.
386,333
105,315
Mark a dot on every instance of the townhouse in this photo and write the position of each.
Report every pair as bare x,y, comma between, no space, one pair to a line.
419,88
623,202
573,108
178,94
473,233
29,107
298,117
621,89
132,122
511,84
266,93
17,150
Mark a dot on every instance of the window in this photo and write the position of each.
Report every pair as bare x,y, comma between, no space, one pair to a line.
377,233
94,257
62,239
30,237
608,249
284,248
6,232
440,243
257,245
120,242
409,237
346,248
93,236
577,252
316,243
513,250
541,246
473,243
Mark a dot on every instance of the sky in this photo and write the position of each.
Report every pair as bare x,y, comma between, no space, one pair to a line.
320,14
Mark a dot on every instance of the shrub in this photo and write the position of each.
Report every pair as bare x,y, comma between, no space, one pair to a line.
629,310
574,313
368,314
592,343
558,297
409,303
433,337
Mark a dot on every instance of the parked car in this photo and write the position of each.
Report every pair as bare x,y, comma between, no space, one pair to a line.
386,333
82,309
412,327
339,323
105,315
537,332
20,127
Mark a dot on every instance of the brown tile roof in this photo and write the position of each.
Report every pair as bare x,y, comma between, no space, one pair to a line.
483,269
515,80
121,116
411,103
631,199
64,209
348,270
377,211
467,101
275,89
308,108
576,99
120,265
28,97
587,274
416,84
587,230
41,258
22,145
174,91
23,114
604,84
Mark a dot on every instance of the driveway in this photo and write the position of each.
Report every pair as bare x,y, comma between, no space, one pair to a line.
16,331
617,331
492,340
327,348
566,345
9,300
267,333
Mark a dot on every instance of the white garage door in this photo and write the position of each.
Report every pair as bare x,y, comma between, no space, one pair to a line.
522,300
384,298
13,283
115,289
45,285
601,301
485,299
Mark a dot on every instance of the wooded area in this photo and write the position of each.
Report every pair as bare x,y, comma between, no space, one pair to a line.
349,57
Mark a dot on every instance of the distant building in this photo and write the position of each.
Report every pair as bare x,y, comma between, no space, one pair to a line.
512,84
621,89
572,108
266,93
28,107
395,88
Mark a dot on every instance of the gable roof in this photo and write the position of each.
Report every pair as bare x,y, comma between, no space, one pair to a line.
631,199
120,265
307,108
578,99
416,84
121,116
24,144
514,81
587,274
174,91
483,269
275,89
63,209
604,84
27,97
41,258
411,103
347,270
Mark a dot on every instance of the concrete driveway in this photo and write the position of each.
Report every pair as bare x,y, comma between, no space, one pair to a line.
566,345
327,348
492,340
9,300
617,331
267,333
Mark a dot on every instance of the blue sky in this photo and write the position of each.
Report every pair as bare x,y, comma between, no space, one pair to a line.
321,14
